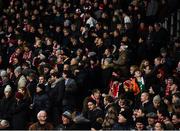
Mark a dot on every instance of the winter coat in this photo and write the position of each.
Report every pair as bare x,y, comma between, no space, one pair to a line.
19,115
38,126
6,108
41,102
70,92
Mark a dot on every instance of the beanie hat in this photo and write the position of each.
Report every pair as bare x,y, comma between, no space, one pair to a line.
42,86
19,95
8,88
92,101
157,98
67,114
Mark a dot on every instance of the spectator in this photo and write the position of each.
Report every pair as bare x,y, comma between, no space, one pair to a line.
42,124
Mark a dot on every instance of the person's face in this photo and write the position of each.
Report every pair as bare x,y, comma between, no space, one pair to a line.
21,91
16,73
53,78
139,113
151,121
144,97
42,117
15,61
137,73
38,89
169,81
65,120
64,75
139,126
147,70
46,70
157,127
132,70
175,120
91,106
97,95
66,67
41,80
157,62
105,101
156,104
121,103
7,94
121,119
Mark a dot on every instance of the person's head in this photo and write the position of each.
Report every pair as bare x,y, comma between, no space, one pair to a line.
157,26
137,73
42,116
66,67
74,61
158,126
122,101
17,71
140,123
107,100
151,118
162,113
170,81
91,104
163,52
54,76
7,91
175,97
66,117
24,91
40,88
144,97
42,79
133,68
147,69
176,119
30,76
157,61
66,74
3,74
96,93
156,101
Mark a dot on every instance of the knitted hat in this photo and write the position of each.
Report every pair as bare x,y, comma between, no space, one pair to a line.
19,95
92,101
42,86
67,114
7,88
157,98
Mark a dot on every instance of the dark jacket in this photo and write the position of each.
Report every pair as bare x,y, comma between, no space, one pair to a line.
6,108
118,126
38,126
56,92
92,115
19,114
41,102
70,93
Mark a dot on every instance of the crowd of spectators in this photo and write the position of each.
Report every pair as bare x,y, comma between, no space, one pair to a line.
88,64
